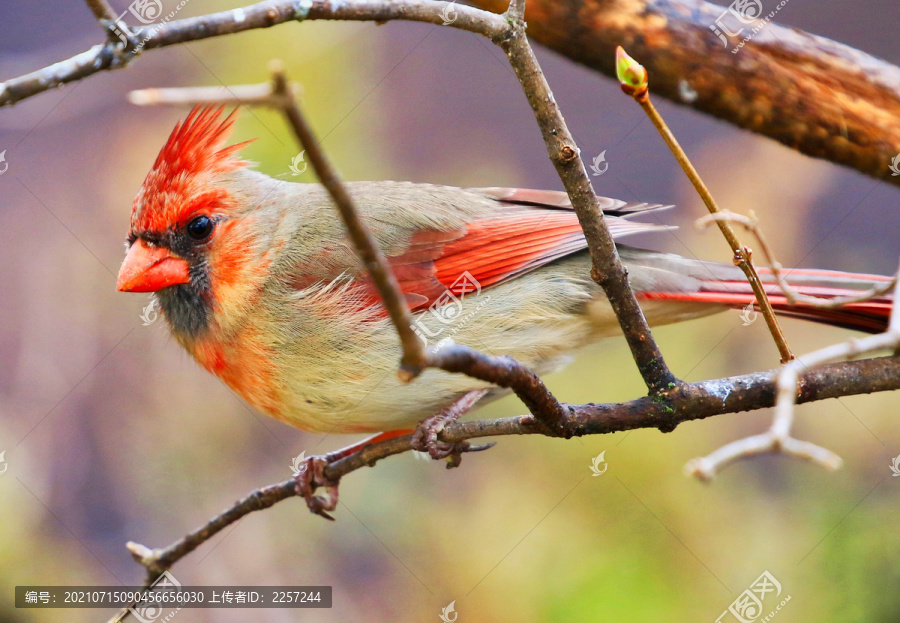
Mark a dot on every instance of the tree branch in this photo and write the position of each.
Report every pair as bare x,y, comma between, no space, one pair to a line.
260,15
684,403
101,10
822,98
607,269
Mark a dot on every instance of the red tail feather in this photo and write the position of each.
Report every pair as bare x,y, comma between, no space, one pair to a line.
869,316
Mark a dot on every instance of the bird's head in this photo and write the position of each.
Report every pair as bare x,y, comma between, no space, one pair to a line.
186,220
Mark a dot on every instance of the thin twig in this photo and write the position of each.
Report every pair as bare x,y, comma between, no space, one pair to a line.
414,359
793,296
778,437
635,83
508,373
101,10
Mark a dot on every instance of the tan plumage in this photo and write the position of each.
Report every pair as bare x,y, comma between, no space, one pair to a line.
272,298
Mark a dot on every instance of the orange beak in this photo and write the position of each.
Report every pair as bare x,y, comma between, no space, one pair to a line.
149,269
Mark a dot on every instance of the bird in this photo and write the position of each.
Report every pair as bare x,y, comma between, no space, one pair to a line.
257,279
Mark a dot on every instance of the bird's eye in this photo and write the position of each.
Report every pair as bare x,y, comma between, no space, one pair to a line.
200,227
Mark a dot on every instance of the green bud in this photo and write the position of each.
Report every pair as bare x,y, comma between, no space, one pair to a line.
631,74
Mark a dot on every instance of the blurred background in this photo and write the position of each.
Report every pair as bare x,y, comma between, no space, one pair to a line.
111,433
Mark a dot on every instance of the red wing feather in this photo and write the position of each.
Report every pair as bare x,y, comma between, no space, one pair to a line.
517,239
528,229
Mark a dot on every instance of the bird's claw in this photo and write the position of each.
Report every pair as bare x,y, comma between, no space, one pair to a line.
455,456
311,477
425,439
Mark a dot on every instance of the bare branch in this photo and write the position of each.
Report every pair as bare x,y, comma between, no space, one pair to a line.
685,403
101,10
509,373
260,15
607,269
414,358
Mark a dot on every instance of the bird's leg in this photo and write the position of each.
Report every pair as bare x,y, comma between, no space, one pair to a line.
425,438
343,453
312,476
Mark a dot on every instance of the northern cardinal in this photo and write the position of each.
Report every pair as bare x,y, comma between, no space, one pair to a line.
257,279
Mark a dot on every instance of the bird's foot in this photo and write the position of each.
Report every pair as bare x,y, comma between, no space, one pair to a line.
425,437
310,477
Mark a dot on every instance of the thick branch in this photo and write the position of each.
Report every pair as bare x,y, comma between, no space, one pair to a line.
823,98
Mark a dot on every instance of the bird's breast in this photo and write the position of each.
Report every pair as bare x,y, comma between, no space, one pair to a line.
245,364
